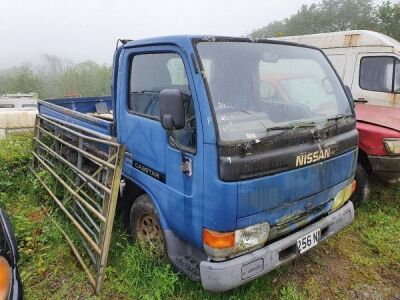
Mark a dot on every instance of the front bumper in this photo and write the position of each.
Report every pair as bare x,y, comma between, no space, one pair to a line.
386,167
223,276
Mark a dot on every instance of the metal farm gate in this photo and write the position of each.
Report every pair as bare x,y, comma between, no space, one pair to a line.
81,170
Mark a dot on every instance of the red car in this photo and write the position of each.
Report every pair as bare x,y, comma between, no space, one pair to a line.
379,147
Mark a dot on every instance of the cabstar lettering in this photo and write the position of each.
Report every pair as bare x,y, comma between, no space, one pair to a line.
312,157
148,171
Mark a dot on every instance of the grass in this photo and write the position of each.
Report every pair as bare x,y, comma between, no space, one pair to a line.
363,261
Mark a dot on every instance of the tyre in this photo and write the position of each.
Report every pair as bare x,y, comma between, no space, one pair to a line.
145,225
361,193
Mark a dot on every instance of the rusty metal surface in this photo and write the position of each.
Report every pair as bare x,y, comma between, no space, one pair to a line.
351,40
83,188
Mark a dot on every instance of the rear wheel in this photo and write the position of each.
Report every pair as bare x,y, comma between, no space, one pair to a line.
145,225
361,193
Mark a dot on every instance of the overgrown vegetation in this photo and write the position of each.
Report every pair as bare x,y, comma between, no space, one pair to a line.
361,262
56,77
337,15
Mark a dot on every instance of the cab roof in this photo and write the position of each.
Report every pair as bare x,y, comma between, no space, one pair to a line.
186,40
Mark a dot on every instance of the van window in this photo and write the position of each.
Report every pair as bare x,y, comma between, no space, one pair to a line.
376,73
150,74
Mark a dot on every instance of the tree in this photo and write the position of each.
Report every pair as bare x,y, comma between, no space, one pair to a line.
50,71
340,15
86,79
336,15
56,77
273,29
22,79
389,19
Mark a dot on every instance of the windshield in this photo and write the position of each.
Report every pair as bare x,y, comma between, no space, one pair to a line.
258,87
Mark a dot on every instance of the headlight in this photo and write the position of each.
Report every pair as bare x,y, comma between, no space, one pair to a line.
392,146
220,245
344,195
5,278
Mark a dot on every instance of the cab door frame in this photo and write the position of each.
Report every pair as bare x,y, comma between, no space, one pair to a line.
177,196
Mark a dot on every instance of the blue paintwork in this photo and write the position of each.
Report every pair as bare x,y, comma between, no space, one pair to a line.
187,204
268,193
73,110
82,104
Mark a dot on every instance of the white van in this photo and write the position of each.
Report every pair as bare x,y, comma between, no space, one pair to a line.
367,61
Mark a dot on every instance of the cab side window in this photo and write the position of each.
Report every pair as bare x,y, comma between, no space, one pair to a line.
376,73
150,74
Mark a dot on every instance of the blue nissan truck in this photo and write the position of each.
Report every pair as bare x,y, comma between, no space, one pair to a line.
229,173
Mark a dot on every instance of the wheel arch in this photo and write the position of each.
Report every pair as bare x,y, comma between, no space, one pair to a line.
138,189
364,160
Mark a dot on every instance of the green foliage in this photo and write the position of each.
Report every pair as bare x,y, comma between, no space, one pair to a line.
86,79
21,79
290,292
141,274
57,77
336,15
389,19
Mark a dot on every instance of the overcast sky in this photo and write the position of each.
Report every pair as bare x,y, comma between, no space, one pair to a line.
88,29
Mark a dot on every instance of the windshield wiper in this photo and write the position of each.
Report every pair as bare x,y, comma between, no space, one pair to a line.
292,126
339,117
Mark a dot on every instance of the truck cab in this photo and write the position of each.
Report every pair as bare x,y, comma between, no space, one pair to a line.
232,180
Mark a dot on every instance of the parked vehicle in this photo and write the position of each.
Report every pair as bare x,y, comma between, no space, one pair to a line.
10,283
379,129
17,112
367,61
233,181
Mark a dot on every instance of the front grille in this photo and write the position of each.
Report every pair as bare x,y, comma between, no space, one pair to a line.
299,217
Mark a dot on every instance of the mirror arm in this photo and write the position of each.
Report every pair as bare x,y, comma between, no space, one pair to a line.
186,164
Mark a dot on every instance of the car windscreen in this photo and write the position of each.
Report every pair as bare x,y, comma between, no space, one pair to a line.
257,86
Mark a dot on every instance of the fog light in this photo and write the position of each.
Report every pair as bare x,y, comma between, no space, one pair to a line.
343,196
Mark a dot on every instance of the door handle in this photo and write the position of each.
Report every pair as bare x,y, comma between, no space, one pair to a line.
361,100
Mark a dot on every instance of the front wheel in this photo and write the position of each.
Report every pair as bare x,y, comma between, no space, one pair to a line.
361,193
145,225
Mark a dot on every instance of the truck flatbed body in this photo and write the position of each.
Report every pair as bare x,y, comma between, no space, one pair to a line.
82,111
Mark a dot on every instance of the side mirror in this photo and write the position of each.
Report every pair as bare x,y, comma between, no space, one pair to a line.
349,95
172,110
